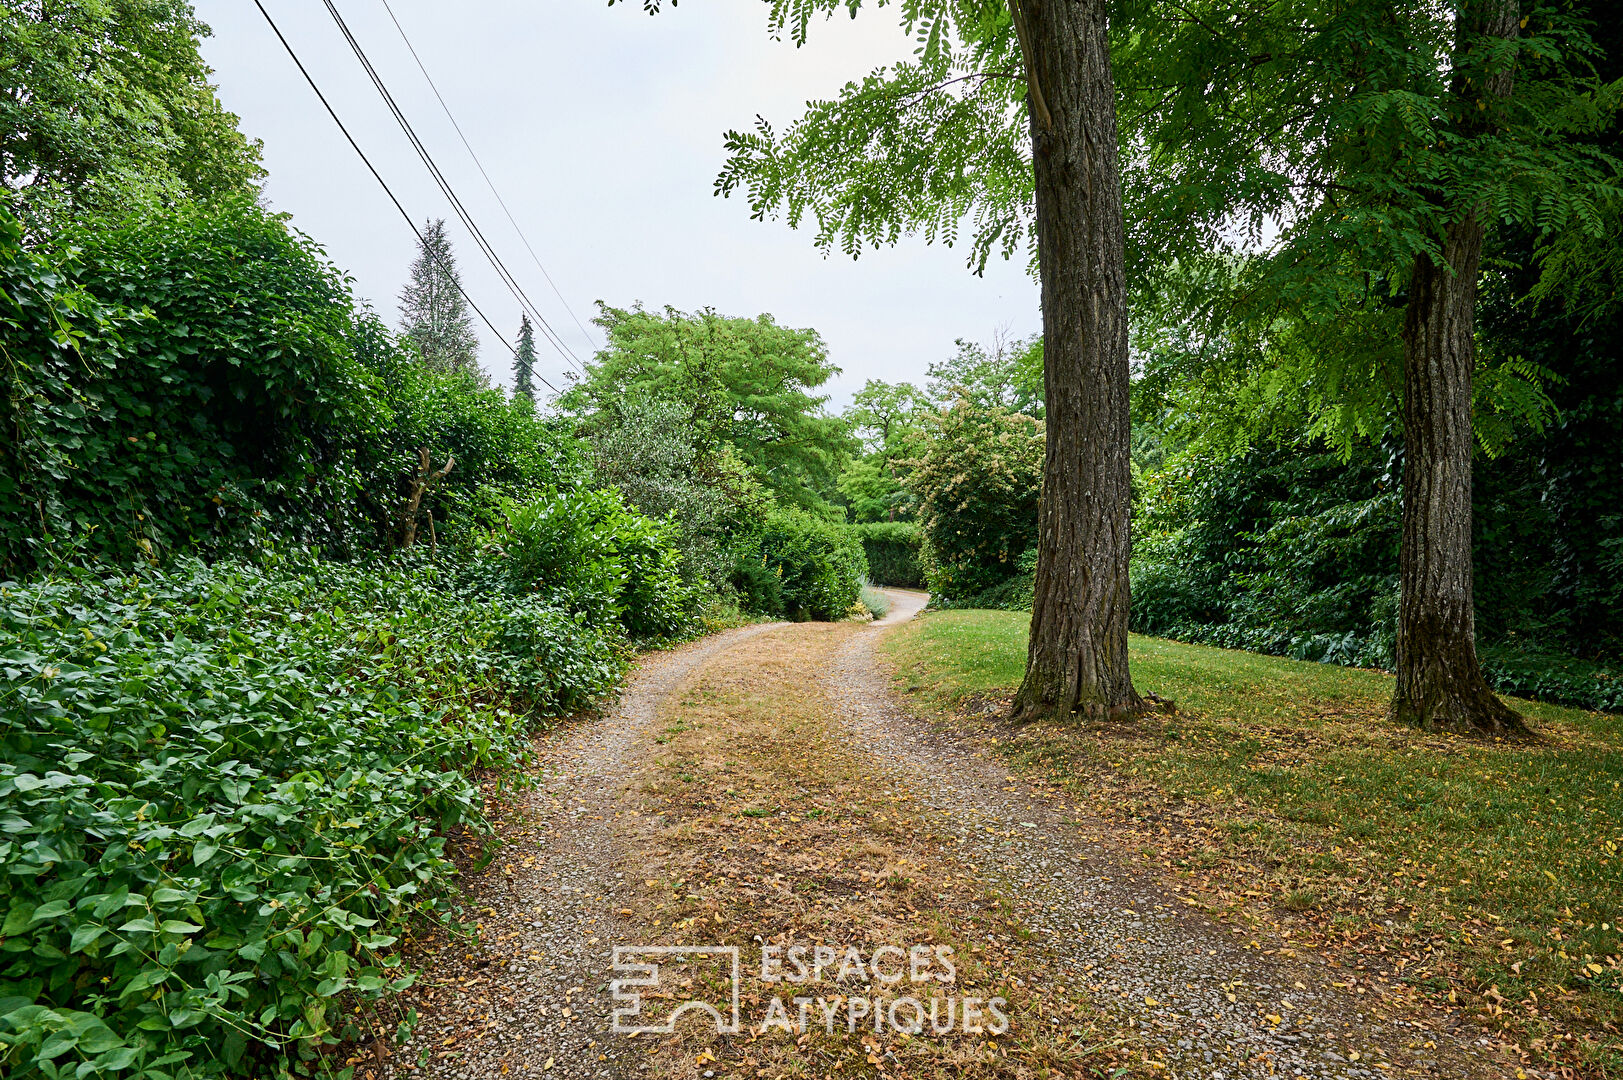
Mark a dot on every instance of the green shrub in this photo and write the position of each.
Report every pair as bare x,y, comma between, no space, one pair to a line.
893,548
819,565
225,789
1545,676
504,451
876,602
645,447
1011,594
977,482
758,586
587,553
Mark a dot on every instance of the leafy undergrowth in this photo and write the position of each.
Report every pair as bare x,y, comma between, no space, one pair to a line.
1474,877
759,827
225,792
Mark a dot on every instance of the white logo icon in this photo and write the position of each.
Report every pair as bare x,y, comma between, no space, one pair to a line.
646,973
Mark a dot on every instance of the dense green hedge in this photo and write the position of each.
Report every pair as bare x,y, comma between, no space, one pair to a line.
893,550
1276,551
1011,594
799,566
225,790
1295,553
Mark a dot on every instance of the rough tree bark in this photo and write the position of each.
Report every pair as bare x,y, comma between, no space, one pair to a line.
1440,684
1077,658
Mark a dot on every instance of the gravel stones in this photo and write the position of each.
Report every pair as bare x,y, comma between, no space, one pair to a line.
530,997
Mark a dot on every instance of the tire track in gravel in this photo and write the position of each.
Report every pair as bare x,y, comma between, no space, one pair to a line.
1216,1010
530,996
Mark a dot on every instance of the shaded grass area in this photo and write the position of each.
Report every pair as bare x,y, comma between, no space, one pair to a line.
1457,874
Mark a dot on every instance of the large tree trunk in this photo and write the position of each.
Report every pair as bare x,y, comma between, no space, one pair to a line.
1440,684
1078,651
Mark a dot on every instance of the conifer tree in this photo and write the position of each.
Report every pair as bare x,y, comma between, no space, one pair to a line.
434,314
524,361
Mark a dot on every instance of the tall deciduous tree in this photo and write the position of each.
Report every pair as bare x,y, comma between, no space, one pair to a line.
524,361
108,104
1078,648
1384,141
1006,374
1440,682
749,384
434,314
1005,117
886,419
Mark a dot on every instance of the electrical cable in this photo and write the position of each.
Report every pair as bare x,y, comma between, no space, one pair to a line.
488,182
450,193
438,176
410,223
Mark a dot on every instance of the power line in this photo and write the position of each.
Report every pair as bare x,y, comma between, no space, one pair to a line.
488,182
445,187
384,184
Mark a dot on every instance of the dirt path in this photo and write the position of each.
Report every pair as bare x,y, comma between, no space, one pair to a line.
764,789
528,995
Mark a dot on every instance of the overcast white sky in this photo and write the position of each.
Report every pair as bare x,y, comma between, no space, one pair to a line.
602,128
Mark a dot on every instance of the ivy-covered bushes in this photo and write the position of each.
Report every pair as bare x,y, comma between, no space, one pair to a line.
893,552
977,482
206,411
1547,676
818,566
225,790
202,381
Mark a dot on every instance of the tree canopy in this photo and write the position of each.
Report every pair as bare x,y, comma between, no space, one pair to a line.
745,383
107,104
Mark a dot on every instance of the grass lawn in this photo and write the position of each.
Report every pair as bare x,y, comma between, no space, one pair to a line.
1441,873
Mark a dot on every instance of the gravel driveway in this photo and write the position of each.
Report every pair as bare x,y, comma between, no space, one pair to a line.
529,996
